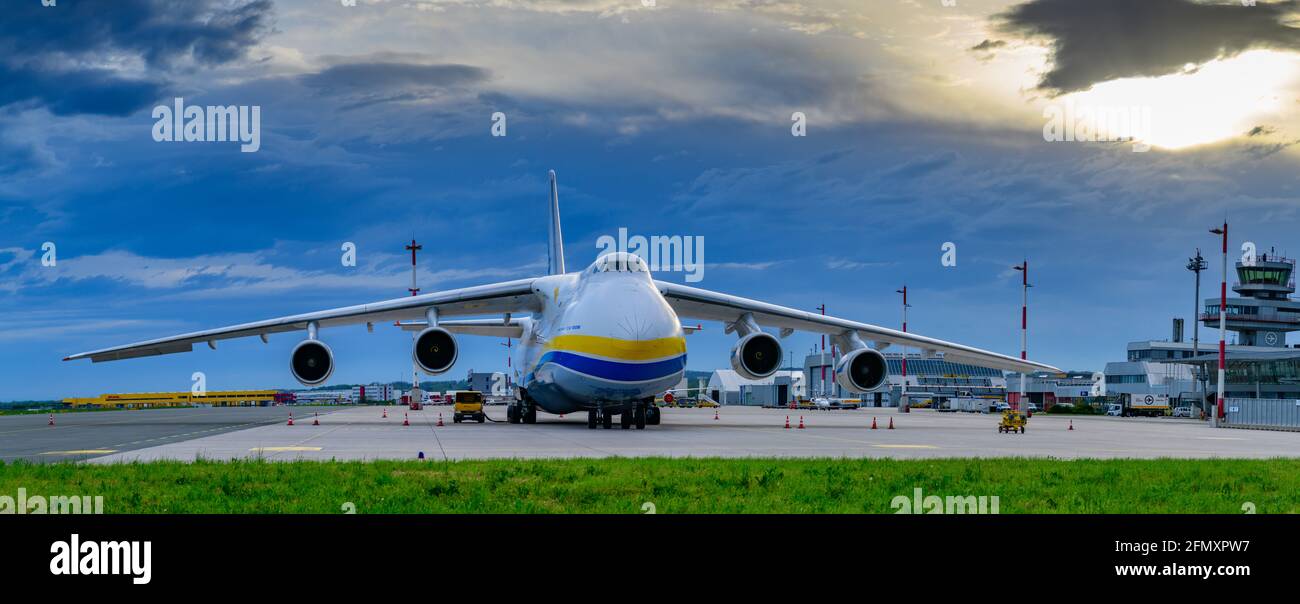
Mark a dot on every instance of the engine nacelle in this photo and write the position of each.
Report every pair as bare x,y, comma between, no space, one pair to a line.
862,370
756,356
312,362
435,350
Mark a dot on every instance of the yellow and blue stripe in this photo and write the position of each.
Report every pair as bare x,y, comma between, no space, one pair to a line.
616,359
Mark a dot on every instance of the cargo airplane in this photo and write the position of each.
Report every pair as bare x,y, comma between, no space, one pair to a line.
605,340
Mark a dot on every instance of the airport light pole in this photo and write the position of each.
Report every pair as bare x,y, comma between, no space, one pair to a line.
902,393
1023,267
1223,327
415,291
1196,265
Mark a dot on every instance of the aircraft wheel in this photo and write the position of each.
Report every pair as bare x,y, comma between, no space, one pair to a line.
625,420
652,415
530,416
591,419
512,414
640,417
608,420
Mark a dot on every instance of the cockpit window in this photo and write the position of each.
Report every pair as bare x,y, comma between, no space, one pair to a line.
620,262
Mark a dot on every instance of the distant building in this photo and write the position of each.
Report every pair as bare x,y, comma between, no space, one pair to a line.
372,392
1045,389
323,396
489,383
725,387
1147,377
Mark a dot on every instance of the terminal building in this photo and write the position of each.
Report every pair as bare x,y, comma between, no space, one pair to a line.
1259,362
929,378
1047,389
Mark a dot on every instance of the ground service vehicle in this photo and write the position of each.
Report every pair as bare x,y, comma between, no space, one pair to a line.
469,405
1151,405
1012,421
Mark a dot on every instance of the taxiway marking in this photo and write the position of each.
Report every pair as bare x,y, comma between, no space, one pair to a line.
81,452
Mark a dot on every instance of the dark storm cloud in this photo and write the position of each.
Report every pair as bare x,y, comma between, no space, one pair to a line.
67,92
41,48
371,77
1095,41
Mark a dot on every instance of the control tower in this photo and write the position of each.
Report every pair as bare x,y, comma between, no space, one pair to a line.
1265,312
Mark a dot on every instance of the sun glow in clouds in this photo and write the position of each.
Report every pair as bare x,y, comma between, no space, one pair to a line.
1221,100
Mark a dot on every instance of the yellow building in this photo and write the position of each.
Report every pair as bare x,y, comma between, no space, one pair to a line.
227,398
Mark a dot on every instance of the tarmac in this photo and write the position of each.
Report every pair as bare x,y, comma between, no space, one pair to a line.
361,433
78,436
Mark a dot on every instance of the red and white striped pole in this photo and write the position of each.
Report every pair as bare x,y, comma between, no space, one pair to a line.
1223,327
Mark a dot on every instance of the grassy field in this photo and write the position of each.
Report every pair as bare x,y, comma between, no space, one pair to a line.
672,485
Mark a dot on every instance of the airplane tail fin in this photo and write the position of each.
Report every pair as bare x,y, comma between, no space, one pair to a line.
555,253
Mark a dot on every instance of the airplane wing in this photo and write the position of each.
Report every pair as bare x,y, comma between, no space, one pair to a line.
712,306
499,328
507,297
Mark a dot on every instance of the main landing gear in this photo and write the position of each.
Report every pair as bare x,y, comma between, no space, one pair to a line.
523,411
599,416
642,414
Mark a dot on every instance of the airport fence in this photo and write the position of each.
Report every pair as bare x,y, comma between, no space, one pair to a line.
1262,414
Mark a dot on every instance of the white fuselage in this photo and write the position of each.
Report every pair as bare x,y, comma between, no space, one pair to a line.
604,337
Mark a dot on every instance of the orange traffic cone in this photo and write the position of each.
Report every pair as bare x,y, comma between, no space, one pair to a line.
787,422
891,423
315,419
51,419
1071,424
440,418
385,413
406,419
290,418
715,414
873,423
801,422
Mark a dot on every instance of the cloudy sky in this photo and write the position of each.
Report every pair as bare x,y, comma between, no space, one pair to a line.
925,124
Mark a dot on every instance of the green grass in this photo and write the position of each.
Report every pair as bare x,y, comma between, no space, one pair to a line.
621,485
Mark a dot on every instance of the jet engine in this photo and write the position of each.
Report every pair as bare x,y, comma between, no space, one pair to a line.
312,362
861,370
435,350
756,355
